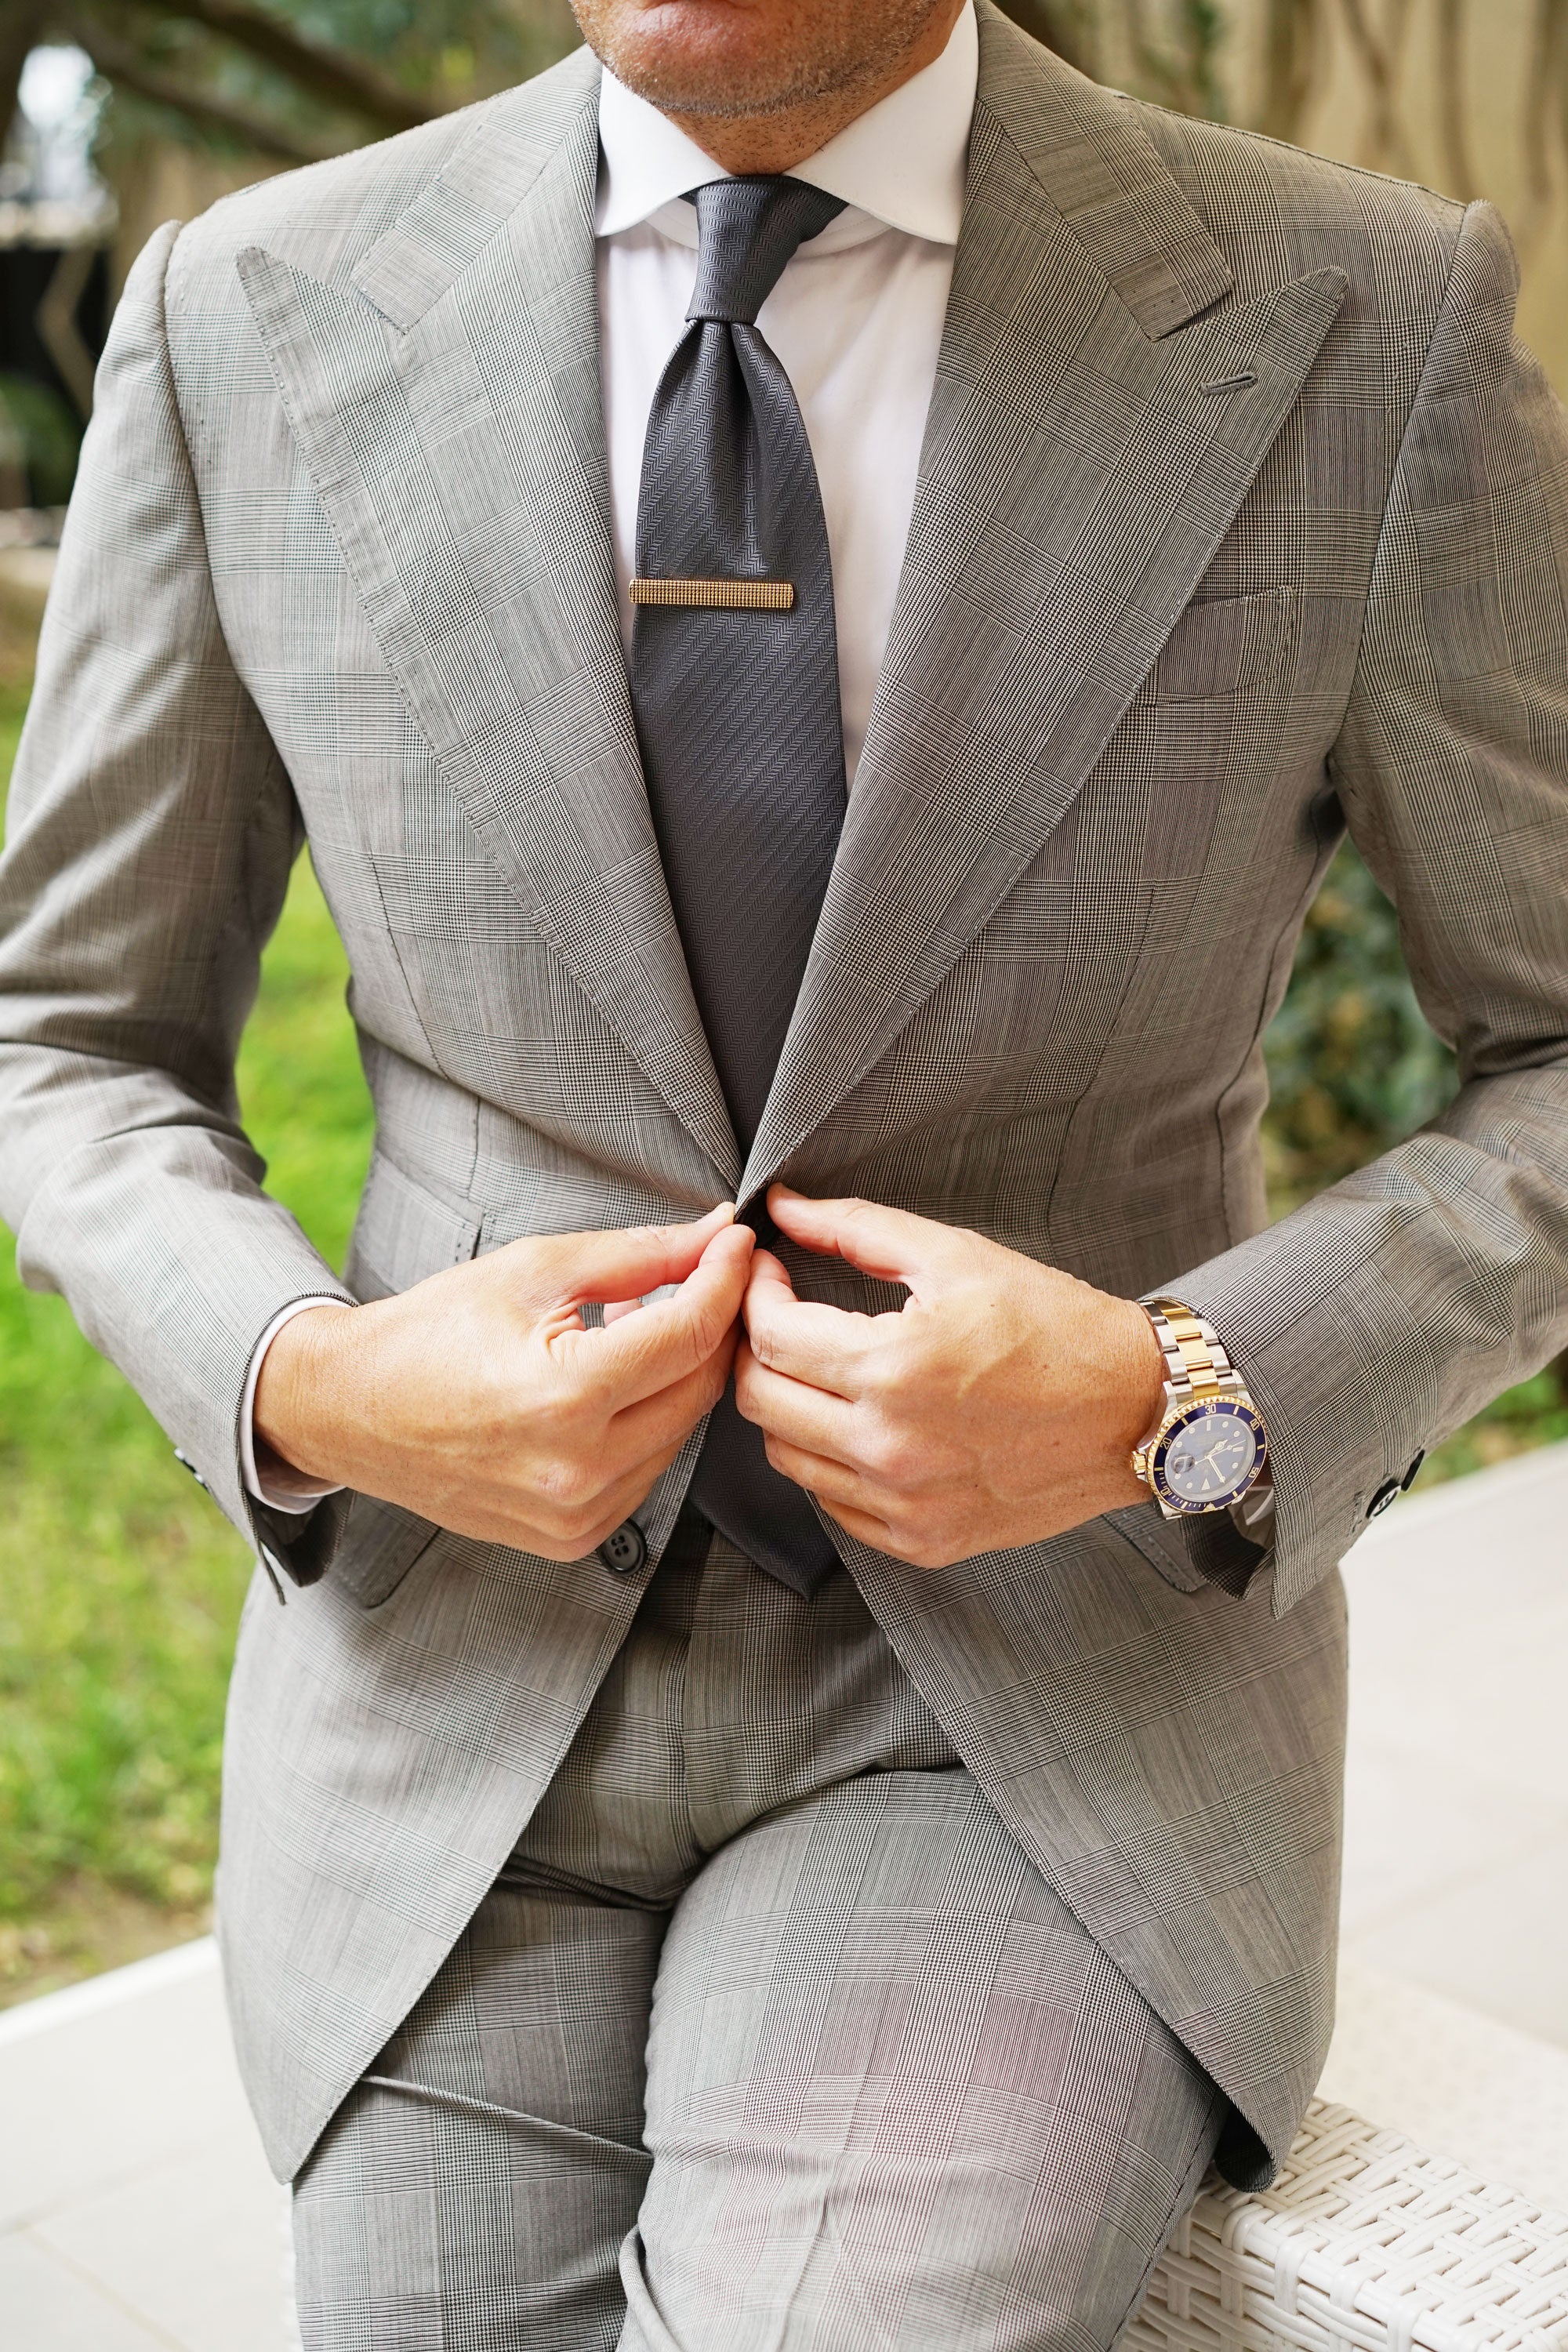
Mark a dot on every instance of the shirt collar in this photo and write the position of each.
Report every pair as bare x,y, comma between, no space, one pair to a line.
901,164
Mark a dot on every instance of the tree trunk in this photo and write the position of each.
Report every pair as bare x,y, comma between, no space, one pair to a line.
1292,32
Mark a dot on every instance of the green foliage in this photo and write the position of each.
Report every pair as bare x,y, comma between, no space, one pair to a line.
298,79
118,1597
47,436
1353,1066
13,710
300,1084
1534,1414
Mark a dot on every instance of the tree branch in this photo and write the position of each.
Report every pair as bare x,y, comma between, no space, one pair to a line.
1378,64
1290,54
332,76
120,63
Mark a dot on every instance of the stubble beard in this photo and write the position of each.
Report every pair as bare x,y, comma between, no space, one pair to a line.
853,46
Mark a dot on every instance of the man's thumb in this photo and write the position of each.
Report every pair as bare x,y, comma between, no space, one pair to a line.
888,1242
633,1261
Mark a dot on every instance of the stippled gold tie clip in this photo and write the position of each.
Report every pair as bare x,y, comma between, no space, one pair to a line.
717,596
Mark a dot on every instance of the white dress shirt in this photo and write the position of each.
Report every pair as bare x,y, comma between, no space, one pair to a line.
855,320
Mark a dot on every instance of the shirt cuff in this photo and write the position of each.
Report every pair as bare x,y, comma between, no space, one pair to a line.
283,1488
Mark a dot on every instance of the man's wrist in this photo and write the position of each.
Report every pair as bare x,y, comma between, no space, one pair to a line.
1146,1384
297,1377
1135,1396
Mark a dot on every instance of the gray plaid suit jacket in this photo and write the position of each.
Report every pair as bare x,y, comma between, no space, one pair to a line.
1240,516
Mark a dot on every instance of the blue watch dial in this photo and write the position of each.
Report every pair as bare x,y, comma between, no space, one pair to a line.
1210,1457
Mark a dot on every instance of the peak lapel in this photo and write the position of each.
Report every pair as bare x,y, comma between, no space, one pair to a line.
447,403
1075,481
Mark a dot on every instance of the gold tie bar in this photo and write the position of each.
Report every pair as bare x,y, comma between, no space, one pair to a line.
718,595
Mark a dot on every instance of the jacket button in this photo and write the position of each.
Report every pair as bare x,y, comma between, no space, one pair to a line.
626,1549
1388,1492
1409,1478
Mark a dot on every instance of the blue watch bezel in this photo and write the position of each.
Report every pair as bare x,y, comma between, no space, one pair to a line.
1198,1408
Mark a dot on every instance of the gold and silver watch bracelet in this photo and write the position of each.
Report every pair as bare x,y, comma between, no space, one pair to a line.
1198,1369
1196,1359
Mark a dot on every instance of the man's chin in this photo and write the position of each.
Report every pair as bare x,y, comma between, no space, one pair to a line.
709,88
713,59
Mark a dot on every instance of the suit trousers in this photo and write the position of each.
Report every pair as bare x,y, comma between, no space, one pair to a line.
768,2038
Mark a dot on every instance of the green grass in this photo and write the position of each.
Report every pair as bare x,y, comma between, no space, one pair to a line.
13,709
120,1584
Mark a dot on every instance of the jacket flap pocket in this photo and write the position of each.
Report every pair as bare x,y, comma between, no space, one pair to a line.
378,1546
1158,1542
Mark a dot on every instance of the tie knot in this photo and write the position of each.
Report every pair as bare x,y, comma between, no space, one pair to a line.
748,230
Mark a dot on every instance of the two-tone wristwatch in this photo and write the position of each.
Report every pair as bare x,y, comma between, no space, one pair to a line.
1207,1444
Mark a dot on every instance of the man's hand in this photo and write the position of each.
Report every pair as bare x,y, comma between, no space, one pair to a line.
999,1407
480,1400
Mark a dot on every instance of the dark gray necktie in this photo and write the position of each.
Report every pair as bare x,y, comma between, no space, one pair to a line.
734,675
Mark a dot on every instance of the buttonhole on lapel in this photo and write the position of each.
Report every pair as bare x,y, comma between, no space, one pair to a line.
1241,382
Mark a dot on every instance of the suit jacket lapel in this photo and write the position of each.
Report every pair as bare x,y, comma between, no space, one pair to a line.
446,401
1100,410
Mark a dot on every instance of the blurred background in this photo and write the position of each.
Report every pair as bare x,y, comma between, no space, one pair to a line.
119,1586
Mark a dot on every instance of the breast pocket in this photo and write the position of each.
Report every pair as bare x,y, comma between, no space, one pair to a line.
1197,758
1209,651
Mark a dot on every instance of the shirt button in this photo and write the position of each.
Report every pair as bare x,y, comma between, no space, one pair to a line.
626,1549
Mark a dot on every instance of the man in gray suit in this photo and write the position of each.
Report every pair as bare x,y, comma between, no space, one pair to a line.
823,597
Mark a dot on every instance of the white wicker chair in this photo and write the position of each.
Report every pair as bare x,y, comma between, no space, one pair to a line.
1364,2244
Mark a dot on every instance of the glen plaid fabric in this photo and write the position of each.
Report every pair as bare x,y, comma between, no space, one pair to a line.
893,2094
1240,514
740,729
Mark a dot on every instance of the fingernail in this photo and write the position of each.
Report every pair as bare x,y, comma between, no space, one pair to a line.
723,1233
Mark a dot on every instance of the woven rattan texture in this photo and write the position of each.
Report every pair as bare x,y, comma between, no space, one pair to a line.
1364,2245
